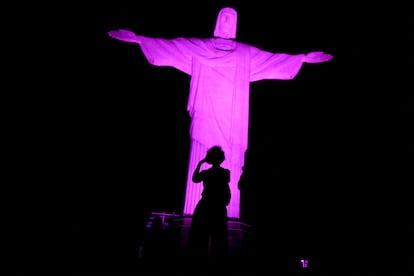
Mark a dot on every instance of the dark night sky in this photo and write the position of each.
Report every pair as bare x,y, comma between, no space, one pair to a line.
333,142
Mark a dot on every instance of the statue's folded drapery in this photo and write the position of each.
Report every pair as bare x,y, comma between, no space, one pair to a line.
218,101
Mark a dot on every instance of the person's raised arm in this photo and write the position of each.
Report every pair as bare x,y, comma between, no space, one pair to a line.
196,175
316,57
125,35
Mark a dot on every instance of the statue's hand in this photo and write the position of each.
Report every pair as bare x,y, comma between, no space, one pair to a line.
316,57
125,35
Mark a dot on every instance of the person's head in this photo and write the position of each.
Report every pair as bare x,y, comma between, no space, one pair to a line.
215,155
226,24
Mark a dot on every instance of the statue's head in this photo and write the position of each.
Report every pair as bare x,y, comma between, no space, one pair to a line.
226,25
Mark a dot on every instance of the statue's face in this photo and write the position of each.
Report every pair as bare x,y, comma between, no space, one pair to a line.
226,23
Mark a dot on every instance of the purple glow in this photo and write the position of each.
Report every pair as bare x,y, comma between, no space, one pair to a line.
221,70
305,263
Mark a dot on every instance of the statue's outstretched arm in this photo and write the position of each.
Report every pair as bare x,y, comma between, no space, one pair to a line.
316,57
125,35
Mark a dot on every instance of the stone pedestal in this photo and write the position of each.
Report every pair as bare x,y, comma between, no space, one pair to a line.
167,235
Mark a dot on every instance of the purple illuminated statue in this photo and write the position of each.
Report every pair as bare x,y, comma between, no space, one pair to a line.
221,70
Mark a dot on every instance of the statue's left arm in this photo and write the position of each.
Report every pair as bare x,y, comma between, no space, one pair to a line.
317,57
280,66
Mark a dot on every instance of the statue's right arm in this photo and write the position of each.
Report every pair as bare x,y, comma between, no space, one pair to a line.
125,35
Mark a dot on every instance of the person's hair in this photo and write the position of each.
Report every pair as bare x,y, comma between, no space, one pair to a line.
215,155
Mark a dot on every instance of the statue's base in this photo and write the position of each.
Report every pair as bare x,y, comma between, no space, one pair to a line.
167,236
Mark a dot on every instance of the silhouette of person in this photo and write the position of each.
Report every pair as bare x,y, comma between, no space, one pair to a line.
247,191
221,70
208,232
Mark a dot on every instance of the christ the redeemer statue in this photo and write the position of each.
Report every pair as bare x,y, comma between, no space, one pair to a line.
221,70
